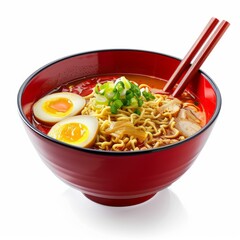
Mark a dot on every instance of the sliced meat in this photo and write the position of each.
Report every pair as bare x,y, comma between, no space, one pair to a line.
173,107
186,127
122,128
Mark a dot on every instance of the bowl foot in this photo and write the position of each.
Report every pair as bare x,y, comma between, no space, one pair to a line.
119,202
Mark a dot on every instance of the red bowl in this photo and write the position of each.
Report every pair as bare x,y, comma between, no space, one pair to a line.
116,178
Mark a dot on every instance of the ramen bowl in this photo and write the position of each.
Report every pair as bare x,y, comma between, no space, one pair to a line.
107,177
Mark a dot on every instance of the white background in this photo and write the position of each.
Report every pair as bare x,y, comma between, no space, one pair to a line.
34,204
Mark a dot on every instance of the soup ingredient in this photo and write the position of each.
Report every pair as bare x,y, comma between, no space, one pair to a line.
187,123
132,114
121,93
187,128
122,128
172,107
54,107
78,130
133,117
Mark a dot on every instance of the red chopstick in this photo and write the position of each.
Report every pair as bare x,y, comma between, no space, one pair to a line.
185,63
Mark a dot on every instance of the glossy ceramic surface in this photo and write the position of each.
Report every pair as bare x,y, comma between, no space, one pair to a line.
120,178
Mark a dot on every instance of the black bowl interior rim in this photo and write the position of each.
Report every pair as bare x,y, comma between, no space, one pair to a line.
96,151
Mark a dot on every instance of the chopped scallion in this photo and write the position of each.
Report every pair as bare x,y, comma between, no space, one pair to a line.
121,93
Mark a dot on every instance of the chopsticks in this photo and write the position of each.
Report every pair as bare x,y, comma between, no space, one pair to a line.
185,64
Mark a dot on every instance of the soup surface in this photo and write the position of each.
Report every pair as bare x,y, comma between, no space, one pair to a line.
132,114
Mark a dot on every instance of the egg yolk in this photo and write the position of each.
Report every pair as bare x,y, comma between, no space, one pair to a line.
58,106
73,132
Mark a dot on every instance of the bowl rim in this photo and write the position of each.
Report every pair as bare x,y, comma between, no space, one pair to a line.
101,152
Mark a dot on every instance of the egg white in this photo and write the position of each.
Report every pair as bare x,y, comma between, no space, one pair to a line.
91,124
46,117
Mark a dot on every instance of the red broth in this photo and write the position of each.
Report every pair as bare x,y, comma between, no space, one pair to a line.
84,87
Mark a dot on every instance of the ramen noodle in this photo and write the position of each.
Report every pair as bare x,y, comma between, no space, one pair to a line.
133,113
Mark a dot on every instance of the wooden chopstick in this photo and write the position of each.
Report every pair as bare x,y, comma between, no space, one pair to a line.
185,63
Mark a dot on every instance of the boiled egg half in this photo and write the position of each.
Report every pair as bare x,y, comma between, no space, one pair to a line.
78,130
54,107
